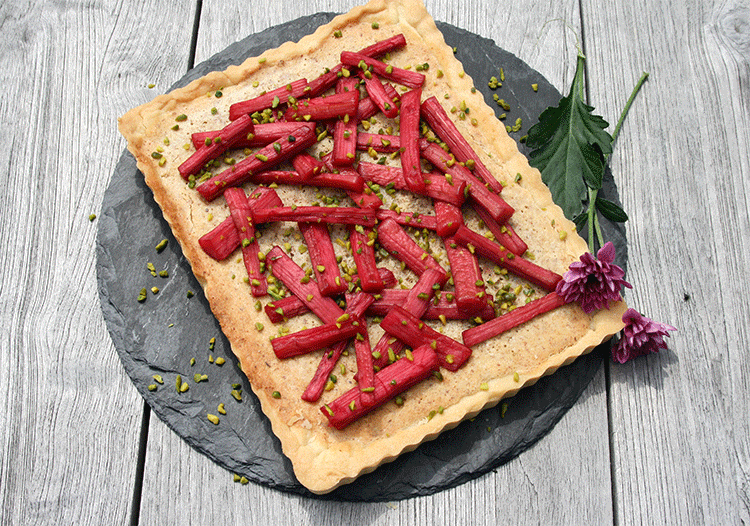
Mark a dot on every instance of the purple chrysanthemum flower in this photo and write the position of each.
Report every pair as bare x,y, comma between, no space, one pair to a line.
640,336
593,282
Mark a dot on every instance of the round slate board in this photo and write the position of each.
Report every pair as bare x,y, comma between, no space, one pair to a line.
163,334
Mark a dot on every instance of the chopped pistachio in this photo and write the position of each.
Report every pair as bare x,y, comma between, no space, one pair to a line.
213,419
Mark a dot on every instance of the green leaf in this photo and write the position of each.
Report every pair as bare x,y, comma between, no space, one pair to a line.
568,145
580,221
611,211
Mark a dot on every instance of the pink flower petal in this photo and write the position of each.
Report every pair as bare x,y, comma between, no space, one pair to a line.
641,336
593,283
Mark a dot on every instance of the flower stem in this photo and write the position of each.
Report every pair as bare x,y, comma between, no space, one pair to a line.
593,222
593,218
626,109
598,227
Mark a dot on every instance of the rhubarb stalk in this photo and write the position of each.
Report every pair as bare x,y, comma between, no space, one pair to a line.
416,302
396,241
328,79
220,242
512,319
309,340
448,218
410,79
389,382
504,234
409,133
445,308
292,306
362,241
506,259
416,333
265,159
345,130
241,214
467,278
307,165
316,214
441,123
412,219
273,98
323,258
321,108
378,95
262,135
300,284
481,196
357,306
435,186
225,139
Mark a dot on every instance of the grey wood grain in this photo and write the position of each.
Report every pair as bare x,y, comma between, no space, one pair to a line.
539,487
528,490
72,419
680,425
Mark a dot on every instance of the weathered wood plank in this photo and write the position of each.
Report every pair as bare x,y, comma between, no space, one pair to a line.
680,426
71,416
538,487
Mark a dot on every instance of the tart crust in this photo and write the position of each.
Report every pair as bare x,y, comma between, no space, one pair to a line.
324,458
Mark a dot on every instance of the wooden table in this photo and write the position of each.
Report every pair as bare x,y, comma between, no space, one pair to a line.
660,440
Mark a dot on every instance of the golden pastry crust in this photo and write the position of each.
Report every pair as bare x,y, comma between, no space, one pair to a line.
323,457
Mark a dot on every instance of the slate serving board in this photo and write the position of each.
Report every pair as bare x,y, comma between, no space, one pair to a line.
163,334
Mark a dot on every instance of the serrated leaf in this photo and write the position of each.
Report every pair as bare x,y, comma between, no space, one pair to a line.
568,143
610,210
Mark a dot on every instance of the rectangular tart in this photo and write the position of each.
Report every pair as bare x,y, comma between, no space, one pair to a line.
323,457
